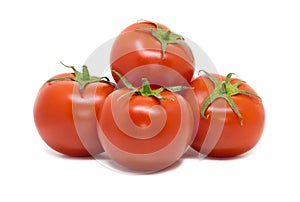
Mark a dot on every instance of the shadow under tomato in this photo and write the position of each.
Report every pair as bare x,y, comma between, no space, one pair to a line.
193,154
63,156
169,168
105,161
242,156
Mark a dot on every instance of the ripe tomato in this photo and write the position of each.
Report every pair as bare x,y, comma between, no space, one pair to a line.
145,132
150,50
232,116
65,113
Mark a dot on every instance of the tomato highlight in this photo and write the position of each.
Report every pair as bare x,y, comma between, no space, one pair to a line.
65,112
232,116
150,50
145,130
155,111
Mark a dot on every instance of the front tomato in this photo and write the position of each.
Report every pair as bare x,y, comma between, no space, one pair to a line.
232,116
150,50
145,132
65,113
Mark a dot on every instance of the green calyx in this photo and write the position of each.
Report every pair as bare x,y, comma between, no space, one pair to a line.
165,37
83,78
225,90
146,90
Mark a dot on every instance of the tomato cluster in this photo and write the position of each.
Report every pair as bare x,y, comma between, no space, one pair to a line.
156,110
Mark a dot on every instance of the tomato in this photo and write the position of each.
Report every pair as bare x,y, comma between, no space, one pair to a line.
232,116
143,130
150,50
65,113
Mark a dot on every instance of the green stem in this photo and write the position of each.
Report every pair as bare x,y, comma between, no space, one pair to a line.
165,37
85,73
225,90
83,78
146,90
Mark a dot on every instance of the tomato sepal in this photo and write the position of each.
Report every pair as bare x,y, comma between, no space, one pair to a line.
83,78
146,89
165,37
225,90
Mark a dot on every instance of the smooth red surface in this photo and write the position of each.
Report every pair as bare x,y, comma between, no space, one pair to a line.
222,134
66,119
137,54
144,133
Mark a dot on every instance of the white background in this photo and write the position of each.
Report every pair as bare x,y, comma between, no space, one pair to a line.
258,40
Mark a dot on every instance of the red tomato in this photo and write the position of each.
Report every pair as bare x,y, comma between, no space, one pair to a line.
152,51
66,118
232,116
145,133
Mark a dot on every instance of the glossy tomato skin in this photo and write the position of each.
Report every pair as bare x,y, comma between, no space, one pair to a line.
222,134
145,134
66,118
137,54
